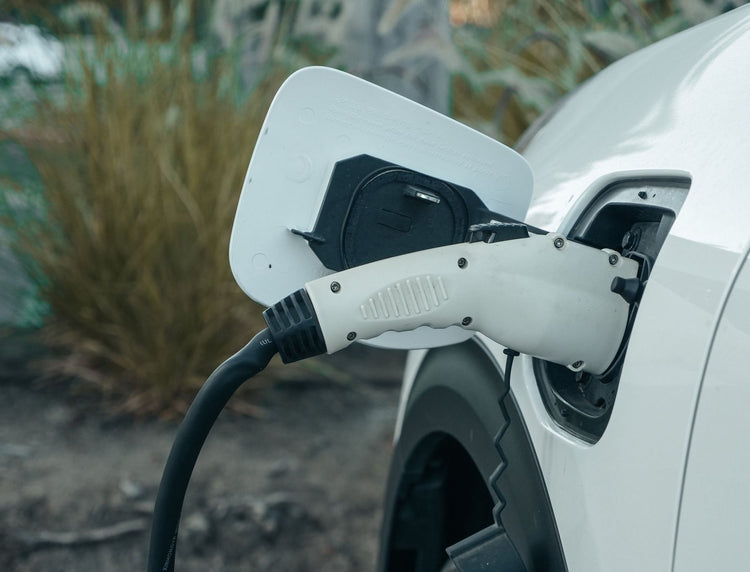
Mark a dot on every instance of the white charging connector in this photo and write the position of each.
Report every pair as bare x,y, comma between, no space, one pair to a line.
543,295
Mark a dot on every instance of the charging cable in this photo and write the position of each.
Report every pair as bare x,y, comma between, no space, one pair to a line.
541,295
194,429
293,331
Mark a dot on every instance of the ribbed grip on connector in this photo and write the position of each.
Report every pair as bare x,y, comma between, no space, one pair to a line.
294,327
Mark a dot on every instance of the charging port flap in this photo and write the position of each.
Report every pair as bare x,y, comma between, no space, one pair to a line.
324,123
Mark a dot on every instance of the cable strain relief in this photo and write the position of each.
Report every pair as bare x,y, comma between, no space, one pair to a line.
294,327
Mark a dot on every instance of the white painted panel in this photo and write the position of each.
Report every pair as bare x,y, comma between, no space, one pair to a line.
714,525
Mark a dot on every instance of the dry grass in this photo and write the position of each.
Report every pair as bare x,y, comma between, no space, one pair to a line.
141,170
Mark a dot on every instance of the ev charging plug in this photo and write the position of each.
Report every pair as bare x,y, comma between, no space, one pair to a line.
541,295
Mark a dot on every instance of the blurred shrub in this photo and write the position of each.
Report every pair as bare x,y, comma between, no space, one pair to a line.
518,58
141,164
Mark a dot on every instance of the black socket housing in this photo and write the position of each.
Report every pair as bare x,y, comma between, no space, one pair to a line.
374,209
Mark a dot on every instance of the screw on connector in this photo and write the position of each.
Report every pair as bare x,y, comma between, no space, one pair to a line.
577,364
613,259
335,287
462,262
351,335
466,321
559,242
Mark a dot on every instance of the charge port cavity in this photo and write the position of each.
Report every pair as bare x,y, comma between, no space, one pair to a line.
632,217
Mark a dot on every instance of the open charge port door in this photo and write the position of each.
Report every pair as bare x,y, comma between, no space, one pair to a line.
632,217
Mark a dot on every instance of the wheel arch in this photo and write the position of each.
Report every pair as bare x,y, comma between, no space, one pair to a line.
445,449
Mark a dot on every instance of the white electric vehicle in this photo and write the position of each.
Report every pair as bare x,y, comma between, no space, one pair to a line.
608,260
645,468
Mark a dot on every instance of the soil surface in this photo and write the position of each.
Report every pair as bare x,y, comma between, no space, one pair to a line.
297,489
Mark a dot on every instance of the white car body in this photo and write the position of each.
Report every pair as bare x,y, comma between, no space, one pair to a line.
26,50
666,485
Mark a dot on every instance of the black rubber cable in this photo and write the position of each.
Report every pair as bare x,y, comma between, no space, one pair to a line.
495,477
191,435
492,548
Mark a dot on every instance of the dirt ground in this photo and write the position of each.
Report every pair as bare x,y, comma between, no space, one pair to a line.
298,489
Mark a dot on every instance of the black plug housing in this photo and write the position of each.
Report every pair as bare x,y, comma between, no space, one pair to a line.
294,327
